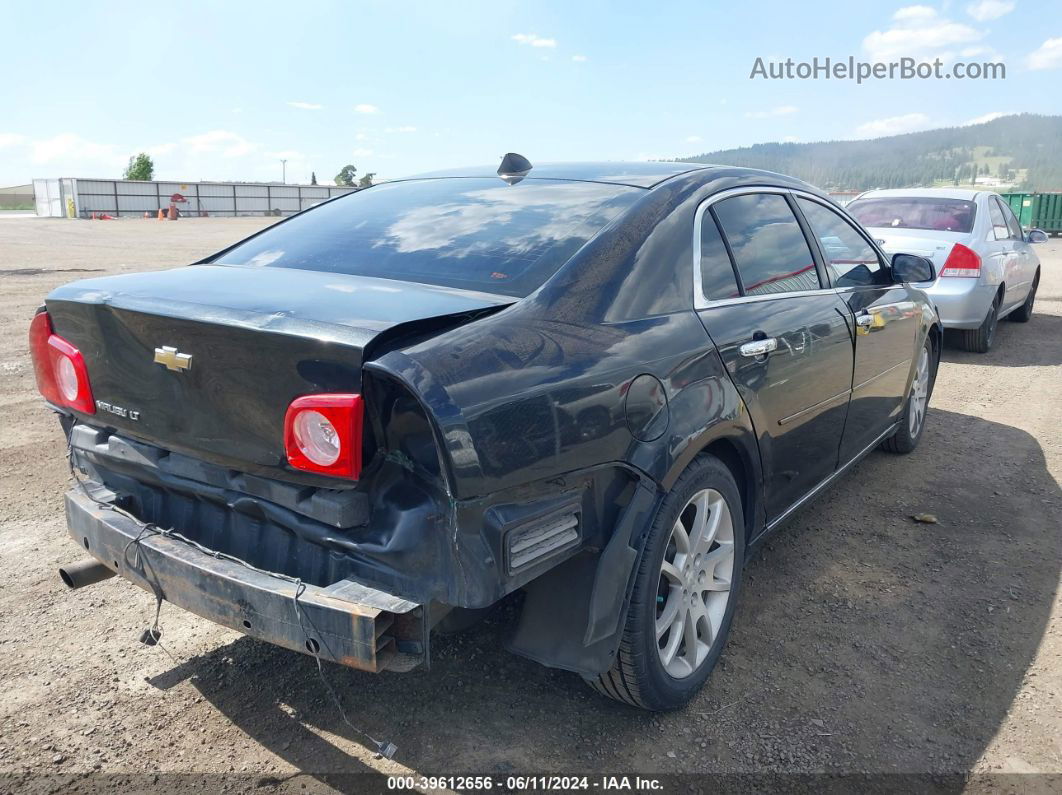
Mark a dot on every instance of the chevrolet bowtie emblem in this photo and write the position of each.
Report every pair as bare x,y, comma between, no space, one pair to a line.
172,359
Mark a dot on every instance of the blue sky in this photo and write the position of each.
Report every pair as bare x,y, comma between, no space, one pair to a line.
224,90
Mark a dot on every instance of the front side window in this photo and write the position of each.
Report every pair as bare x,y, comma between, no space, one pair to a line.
770,251
850,260
915,212
473,234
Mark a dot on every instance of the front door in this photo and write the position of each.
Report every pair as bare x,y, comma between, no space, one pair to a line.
784,339
886,321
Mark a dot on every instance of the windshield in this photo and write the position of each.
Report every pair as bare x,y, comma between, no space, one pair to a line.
915,212
474,234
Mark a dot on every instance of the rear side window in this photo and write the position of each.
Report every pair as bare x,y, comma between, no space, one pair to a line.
770,251
717,272
915,212
1012,221
999,223
850,260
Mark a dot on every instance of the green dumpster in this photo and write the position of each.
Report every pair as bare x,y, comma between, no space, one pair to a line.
1037,210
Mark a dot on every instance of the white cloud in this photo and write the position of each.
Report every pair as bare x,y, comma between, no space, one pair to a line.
306,105
366,108
984,10
1047,56
580,58
11,139
693,139
919,32
893,125
406,129
534,40
69,148
790,139
228,143
781,110
359,152
361,137
987,117
914,13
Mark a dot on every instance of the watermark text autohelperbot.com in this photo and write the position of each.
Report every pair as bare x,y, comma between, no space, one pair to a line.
862,71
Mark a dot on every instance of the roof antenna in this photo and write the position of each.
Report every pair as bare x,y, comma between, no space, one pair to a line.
513,167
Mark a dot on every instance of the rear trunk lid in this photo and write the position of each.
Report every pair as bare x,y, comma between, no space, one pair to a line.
257,338
934,246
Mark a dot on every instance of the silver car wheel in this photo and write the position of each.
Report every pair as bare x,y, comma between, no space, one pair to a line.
916,410
694,588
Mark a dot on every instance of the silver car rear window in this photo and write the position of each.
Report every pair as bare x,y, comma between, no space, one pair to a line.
915,212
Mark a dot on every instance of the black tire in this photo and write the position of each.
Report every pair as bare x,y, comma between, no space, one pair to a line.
1023,314
638,676
905,440
979,340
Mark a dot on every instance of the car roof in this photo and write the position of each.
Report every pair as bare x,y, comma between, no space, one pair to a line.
637,175
965,194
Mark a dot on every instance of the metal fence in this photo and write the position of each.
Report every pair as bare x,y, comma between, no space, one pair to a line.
80,198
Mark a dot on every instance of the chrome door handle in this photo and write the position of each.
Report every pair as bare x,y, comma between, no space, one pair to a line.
759,347
865,320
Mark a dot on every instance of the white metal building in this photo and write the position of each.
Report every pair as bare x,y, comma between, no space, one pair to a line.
80,198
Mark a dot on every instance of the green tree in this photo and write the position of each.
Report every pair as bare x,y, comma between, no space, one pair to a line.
346,175
366,181
313,177
140,167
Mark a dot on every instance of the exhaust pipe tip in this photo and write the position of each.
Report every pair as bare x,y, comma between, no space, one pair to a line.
83,573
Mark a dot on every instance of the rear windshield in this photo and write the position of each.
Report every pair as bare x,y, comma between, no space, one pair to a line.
911,212
474,234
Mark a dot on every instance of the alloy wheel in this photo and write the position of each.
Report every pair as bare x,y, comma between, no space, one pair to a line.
695,580
916,411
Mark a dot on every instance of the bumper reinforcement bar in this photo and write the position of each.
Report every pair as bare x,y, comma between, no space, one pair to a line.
345,622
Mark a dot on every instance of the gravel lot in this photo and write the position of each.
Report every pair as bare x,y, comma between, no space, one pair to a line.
864,641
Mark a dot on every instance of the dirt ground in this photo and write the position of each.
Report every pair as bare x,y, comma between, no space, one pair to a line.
864,642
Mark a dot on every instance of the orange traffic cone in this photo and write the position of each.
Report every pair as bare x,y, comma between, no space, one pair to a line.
162,214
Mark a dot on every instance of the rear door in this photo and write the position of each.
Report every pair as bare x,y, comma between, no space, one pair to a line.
783,337
1006,249
1026,259
886,320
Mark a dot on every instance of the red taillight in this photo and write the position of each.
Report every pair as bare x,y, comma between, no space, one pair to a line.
962,262
322,433
62,377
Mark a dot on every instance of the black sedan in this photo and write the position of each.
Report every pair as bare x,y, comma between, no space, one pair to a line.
599,384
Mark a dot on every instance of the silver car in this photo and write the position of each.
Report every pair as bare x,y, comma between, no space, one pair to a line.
986,268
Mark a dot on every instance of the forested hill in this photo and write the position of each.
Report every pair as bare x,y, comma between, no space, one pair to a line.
1024,150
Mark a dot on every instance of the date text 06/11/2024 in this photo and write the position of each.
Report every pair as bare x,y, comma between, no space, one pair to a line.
514,783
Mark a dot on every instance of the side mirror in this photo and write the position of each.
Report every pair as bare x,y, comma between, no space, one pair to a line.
1036,236
912,268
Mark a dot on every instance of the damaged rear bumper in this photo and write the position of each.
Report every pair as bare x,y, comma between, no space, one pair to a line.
345,622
